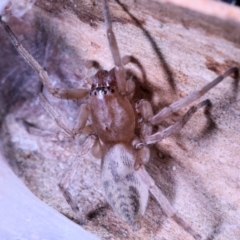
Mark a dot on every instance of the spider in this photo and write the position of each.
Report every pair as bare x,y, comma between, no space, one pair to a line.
124,154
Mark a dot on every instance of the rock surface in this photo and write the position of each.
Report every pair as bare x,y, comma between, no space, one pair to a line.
176,51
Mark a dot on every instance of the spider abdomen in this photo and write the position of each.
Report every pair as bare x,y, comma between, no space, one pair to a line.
124,189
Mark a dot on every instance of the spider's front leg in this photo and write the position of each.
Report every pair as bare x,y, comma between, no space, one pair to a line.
78,93
124,88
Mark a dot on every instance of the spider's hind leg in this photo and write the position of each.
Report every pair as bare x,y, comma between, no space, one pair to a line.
65,182
168,209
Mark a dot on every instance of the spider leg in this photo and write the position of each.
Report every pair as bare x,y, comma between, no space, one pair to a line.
145,109
58,136
143,153
119,69
176,106
165,204
78,93
61,121
130,85
142,157
176,127
65,182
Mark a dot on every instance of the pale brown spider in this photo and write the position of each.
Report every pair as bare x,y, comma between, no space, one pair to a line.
125,181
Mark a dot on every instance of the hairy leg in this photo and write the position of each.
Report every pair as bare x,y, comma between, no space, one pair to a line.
176,127
119,69
61,121
66,181
169,210
78,93
176,106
